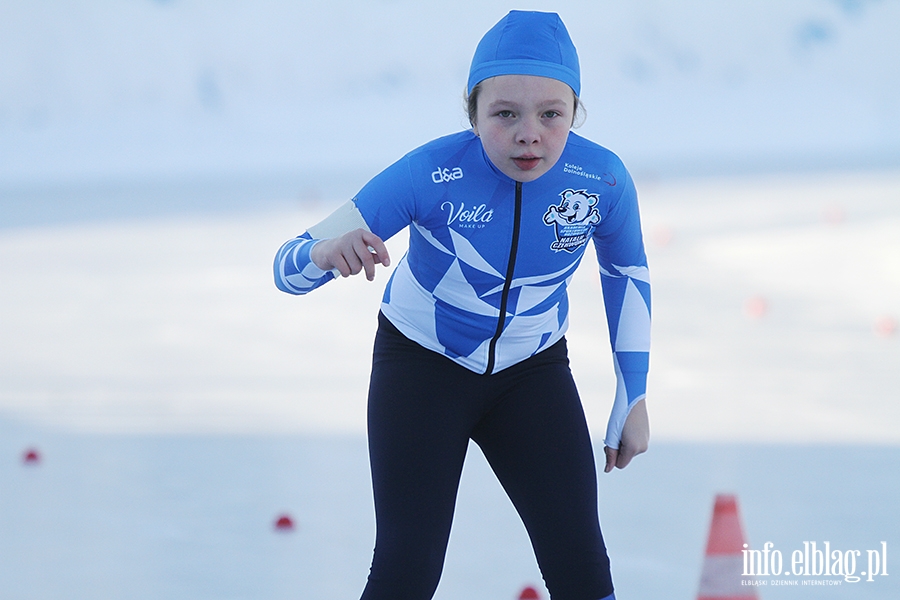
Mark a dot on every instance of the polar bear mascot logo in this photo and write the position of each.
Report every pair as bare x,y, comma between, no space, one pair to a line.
572,218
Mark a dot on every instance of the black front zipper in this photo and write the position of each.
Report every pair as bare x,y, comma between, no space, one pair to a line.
510,268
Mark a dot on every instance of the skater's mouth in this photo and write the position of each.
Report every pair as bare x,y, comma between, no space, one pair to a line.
526,162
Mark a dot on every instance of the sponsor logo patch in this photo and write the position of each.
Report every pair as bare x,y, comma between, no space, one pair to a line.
572,219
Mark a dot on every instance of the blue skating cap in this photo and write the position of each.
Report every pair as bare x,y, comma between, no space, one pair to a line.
527,43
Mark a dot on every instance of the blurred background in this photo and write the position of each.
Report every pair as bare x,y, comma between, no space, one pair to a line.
327,93
155,154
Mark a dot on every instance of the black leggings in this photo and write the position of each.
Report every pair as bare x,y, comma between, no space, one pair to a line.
528,421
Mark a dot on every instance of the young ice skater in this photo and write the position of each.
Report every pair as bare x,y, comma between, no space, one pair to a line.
470,342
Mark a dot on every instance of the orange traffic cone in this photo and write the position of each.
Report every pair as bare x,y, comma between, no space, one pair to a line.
723,565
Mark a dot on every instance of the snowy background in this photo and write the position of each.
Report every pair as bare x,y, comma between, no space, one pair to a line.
330,91
154,155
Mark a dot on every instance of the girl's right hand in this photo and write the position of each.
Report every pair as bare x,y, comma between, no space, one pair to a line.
351,253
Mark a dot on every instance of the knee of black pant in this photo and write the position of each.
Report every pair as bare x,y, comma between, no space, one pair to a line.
585,579
414,575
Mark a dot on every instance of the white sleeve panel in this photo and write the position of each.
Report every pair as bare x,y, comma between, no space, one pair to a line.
346,218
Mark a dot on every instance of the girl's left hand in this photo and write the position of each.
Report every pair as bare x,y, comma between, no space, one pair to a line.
635,438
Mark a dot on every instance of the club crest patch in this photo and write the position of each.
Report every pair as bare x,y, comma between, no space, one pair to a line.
572,219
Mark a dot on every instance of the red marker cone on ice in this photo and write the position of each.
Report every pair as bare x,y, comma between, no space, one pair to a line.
724,562
662,236
834,214
31,457
886,326
756,307
529,593
284,523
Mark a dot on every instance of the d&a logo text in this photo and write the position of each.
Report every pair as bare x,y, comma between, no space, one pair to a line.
440,175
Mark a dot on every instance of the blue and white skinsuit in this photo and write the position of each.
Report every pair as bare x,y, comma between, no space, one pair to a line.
483,285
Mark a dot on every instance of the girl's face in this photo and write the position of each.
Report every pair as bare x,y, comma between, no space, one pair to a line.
523,122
